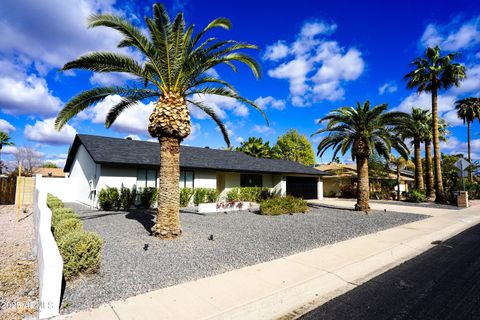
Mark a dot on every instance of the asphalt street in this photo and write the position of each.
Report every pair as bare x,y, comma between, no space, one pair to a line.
442,283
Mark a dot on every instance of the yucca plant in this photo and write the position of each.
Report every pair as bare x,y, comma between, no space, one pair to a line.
175,72
430,74
364,131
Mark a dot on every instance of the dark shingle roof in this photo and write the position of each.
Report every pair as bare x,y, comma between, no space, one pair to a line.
122,152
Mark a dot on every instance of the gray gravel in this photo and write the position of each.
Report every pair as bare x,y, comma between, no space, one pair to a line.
240,239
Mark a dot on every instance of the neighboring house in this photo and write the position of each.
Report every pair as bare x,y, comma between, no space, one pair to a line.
49,172
341,175
96,162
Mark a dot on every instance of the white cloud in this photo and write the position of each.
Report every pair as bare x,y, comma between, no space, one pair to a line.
28,96
239,139
52,32
454,36
270,102
133,120
389,87
44,131
455,146
317,68
452,118
265,130
9,150
6,126
219,104
276,51
110,79
471,84
212,73
424,100
195,133
133,137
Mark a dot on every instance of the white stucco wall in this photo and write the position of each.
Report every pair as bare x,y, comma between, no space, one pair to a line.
114,177
320,189
205,179
83,177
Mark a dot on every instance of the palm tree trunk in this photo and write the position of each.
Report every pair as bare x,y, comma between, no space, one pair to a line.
429,163
398,183
418,166
439,192
168,218
1,163
470,176
363,192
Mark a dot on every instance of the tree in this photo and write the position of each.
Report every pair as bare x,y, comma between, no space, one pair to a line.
431,74
363,131
294,147
174,71
48,165
427,140
414,127
468,110
4,141
400,164
29,158
255,147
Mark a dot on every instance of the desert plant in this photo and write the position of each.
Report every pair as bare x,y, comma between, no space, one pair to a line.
54,202
127,197
283,205
185,196
81,252
233,195
109,199
212,195
59,214
66,226
200,196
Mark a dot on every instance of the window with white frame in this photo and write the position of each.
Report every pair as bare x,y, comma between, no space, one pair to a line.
146,178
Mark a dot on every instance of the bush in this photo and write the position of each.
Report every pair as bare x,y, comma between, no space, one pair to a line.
66,226
148,197
473,189
109,199
416,196
254,194
283,205
54,202
233,195
185,196
81,252
127,197
200,196
59,214
347,191
212,195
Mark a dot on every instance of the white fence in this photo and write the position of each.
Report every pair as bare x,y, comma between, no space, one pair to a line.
50,263
60,188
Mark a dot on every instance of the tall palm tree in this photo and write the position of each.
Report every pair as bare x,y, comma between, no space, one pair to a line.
174,71
431,74
413,127
4,141
400,163
468,110
427,140
363,131
255,147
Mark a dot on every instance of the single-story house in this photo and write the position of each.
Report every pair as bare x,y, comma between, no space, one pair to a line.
96,162
340,175
49,172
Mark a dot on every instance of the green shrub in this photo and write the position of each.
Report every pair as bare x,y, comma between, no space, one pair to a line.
473,189
283,205
109,199
416,196
54,202
233,195
212,195
59,214
185,196
81,252
200,196
66,226
254,194
148,197
127,197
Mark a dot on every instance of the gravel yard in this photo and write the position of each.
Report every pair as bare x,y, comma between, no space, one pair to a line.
134,262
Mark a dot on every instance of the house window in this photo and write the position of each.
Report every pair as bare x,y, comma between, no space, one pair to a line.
146,178
251,180
186,179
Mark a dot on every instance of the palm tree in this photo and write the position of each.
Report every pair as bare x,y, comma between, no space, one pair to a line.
400,164
255,147
468,110
414,127
174,71
363,130
4,141
427,140
432,73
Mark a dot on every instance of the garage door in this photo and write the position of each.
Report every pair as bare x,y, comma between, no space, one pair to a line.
302,187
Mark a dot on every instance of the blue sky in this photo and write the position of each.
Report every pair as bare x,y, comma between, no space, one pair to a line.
315,56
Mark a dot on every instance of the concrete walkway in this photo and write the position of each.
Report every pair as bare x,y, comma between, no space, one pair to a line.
290,286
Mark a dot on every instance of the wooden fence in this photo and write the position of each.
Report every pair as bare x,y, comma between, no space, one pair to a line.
7,190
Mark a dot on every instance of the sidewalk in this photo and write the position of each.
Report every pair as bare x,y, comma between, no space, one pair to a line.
289,286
